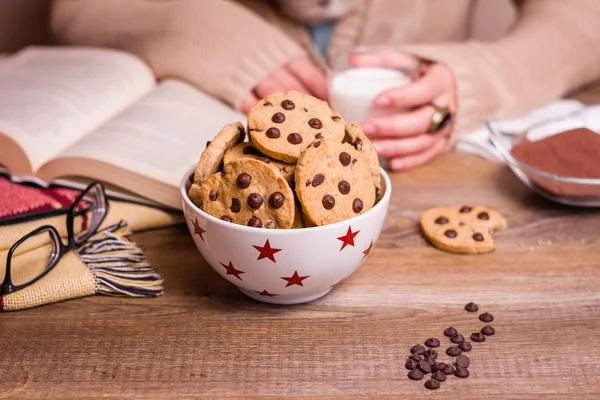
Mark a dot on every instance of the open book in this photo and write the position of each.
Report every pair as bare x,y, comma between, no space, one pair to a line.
68,115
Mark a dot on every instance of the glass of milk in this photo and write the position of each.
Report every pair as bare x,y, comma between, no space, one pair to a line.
352,89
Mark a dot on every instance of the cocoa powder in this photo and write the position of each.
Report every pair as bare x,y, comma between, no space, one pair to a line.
574,153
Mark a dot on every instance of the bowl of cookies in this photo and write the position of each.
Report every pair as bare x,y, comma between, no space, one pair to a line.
289,206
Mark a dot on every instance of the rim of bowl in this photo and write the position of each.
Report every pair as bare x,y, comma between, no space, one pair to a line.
384,200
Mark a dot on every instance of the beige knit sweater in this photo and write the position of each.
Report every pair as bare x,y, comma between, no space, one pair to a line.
226,47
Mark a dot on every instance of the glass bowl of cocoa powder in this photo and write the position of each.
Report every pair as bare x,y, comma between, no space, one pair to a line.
558,159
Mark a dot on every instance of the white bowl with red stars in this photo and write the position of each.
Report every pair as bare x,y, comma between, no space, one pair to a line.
285,266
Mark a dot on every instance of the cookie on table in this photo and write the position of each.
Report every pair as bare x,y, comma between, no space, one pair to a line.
462,229
333,182
357,138
248,150
249,192
211,158
282,125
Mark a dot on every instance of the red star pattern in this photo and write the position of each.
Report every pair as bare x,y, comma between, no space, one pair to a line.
267,251
348,238
230,270
295,279
368,250
265,293
198,229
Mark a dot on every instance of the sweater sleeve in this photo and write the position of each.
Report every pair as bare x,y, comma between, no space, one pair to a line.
551,51
219,46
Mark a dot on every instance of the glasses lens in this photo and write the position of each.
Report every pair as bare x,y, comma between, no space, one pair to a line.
89,213
33,257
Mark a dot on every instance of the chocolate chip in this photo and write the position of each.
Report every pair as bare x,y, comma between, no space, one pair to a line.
273,133
357,206
486,317
438,366
431,361
411,364
276,200
288,105
335,118
472,307
255,200
441,220
461,372
477,337
315,123
213,195
328,202
478,237
451,331
267,104
424,366
294,138
319,136
432,354
251,149
483,215
278,118
451,233
345,158
432,342
358,143
236,206
415,375
243,180
453,351
354,161
255,222
439,376
465,346
317,180
344,187
465,209
317,144
449,370
417,357
462,361
264,159
488,330
417,349
226,218
432,384
458,338
307,182
304,109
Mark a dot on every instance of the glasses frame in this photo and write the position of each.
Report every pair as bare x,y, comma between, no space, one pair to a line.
59,248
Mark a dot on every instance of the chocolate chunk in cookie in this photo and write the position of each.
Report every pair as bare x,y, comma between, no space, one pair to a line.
357,138
248,150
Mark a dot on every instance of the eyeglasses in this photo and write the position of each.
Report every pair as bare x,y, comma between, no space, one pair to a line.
87,211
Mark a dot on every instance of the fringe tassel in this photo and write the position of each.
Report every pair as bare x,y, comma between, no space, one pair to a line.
119,266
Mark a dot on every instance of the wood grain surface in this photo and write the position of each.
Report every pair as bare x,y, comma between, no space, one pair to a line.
205,339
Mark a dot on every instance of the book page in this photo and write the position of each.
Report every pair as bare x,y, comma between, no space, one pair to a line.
52,96
161,136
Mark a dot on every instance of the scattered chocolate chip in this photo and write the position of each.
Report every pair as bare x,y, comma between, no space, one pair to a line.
465,209
328,202
411,364
417,349
432,354
472,307
477,337
432,384
213,195
357,206
432,342
415,375
483,215
417,357
449,370
335,118
461,372
319,136
236,205
276,200
273,133
451,233
465,346
304,109
255,222
264,159
315,123
345,158
458,338
439,366
344,187
462,361
251,149
424,366
294,138
317,180
453,351
317,144
243,180
267,104
451,331
441,220
439,376
308,182
431,362
478,237
354,161
288,105
486,317
226,218
278,118
488,330
255,200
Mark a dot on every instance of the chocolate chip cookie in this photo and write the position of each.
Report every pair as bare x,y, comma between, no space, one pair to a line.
357,138
249,192
463,229
333,182
248,150
282,125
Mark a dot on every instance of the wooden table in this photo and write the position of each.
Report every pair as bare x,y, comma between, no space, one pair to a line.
203,338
